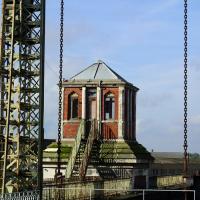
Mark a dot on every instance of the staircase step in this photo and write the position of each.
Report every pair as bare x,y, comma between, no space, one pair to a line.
93,156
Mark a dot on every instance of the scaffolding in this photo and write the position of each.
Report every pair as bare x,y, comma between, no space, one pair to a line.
21,94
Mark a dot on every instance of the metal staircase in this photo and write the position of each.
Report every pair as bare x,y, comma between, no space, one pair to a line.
81,152
75,150
107,167
88,149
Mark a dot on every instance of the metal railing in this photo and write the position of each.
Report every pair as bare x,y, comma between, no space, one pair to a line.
71,162
84,163
29,195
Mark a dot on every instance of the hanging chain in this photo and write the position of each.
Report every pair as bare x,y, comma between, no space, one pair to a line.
60,85
185,88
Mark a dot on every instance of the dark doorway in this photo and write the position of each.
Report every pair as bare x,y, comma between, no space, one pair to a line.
140,182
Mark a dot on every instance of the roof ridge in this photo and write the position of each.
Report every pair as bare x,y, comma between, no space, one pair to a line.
98,70
109,69
82,71
115,74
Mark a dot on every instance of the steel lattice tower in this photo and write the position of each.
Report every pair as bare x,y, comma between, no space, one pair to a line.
21,94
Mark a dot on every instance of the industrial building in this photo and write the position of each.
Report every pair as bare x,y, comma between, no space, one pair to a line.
99,122
96,122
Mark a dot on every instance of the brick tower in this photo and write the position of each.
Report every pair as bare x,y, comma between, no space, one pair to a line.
99,122
100,93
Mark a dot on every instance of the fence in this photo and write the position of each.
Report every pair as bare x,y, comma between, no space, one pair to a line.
32,195
103,194
118,188
91,194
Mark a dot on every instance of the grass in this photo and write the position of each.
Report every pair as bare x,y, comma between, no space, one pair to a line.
65,151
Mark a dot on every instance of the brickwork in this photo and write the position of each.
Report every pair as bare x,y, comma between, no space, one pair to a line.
110,129
67,93
70,127
114,91
130,128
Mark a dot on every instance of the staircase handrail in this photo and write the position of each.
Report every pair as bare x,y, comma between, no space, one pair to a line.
75,149
88,148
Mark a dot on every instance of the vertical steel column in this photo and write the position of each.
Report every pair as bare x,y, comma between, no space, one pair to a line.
41,103
9,90
21,98
1,101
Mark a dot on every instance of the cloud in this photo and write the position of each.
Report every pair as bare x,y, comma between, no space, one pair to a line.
144,43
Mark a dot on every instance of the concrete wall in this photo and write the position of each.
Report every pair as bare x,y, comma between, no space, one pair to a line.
99,189
84,190
165,181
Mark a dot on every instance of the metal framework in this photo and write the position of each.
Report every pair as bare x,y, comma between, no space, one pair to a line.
21,94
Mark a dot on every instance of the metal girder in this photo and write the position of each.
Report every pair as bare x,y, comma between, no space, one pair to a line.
21,94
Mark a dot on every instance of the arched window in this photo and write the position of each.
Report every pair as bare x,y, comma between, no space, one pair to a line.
73,106
109,107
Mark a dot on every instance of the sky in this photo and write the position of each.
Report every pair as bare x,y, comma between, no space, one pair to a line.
143,42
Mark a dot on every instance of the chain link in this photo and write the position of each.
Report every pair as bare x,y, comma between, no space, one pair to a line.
185,85
60,85
185,88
